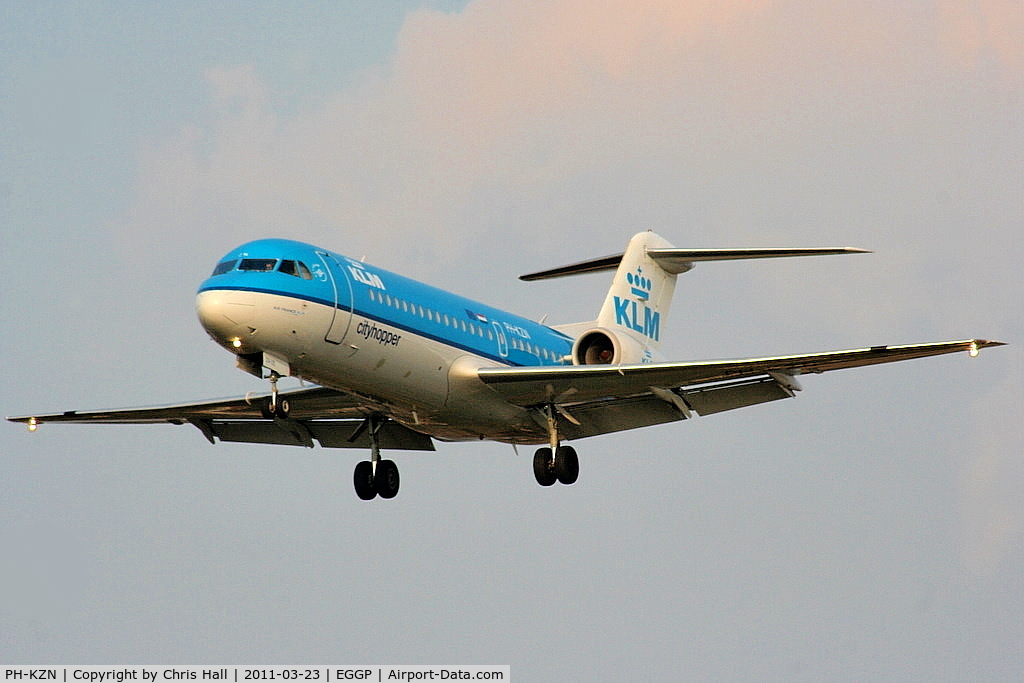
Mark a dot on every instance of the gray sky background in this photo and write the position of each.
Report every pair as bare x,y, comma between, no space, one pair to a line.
871,529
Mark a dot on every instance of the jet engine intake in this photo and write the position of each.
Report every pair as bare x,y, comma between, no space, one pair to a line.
600,346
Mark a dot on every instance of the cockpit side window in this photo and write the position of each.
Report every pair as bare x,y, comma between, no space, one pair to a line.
264,265
224,267
296,268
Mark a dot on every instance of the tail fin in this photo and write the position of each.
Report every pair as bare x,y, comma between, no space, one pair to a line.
639,299
638,302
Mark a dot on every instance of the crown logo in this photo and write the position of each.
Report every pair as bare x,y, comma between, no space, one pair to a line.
639,285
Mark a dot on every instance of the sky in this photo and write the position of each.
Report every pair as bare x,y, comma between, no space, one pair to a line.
871,529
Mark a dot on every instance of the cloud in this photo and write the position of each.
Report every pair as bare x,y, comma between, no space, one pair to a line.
527,93
973,32
524,123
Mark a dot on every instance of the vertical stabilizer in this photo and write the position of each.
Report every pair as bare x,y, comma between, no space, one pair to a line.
635,311
638,302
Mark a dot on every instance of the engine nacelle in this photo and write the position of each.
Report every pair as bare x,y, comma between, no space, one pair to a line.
600,346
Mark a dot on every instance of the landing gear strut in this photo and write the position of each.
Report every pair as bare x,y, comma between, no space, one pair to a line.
557,463
276,407
374,477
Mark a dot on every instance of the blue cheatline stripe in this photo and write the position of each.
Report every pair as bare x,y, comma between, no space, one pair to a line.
277,292
447,341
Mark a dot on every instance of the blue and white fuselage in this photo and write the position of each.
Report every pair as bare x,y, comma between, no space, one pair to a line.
399,362
411,348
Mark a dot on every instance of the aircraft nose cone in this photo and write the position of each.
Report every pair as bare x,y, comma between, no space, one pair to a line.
226,318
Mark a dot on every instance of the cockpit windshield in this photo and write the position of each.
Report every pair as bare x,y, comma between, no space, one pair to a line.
263,265
224,267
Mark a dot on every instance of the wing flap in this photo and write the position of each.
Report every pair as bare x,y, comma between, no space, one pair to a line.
393,436
662,405
605,417
261,431
328,433
720,398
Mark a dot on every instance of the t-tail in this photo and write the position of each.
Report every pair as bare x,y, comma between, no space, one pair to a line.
632,320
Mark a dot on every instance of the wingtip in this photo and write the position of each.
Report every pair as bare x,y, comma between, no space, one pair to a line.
976,345
32,422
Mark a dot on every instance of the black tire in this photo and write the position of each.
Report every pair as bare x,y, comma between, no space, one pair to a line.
567,465
283,408
542,469
265,410
363,479
279,412
386,482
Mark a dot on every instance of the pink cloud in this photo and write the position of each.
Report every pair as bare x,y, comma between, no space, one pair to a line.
521,96
971,32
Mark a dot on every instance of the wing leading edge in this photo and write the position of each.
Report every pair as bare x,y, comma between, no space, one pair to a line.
329,417
593,399
639,395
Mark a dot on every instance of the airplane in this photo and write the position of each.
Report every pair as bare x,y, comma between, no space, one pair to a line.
397,364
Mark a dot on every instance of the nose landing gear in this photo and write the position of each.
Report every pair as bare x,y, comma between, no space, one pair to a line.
276,407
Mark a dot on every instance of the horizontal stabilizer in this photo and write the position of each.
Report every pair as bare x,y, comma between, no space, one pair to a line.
681,260
591,266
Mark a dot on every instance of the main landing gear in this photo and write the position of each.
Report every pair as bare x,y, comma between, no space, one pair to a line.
557,463
374,477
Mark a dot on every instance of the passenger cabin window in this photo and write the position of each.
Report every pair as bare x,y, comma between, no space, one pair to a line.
263,265
296,268
224,267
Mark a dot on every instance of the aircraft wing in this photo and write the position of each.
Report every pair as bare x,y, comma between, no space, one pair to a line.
596,399
330,417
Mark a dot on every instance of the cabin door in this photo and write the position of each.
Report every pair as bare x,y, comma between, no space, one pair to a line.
342,317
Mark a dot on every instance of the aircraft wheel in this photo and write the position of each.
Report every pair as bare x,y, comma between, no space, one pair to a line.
386,482
542,467
567,465
283,408
363,479
281,411
265,410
